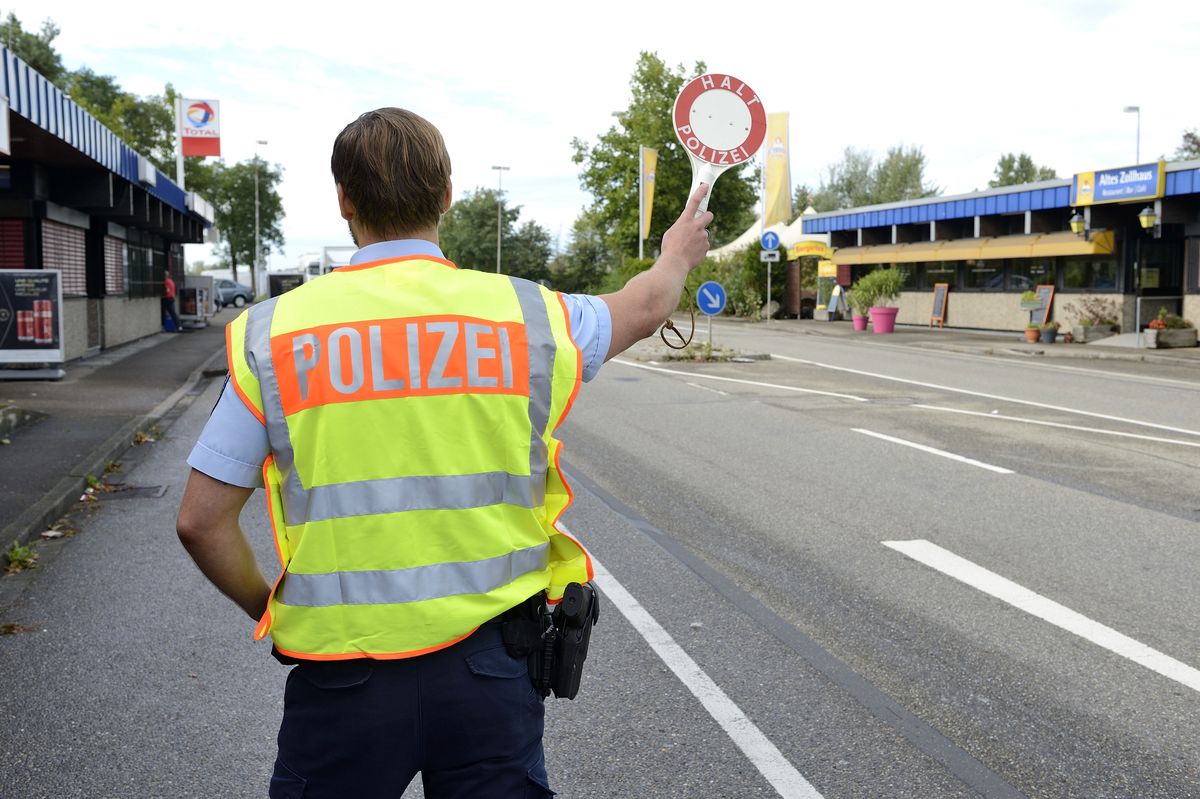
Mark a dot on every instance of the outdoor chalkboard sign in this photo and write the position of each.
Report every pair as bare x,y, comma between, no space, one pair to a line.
834,301
940,290
1046,296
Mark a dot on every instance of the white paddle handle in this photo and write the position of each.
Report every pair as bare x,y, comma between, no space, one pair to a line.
706,174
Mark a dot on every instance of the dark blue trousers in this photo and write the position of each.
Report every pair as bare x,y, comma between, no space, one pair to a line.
466,717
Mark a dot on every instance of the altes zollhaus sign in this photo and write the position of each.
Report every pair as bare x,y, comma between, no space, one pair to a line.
1126,184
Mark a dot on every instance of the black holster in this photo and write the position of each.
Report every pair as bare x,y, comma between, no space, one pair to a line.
556,643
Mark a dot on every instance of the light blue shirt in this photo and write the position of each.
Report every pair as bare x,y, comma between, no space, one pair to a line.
233,446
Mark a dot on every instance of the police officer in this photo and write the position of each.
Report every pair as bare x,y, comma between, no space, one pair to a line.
400,415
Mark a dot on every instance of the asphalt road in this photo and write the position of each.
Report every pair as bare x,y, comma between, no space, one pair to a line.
759,638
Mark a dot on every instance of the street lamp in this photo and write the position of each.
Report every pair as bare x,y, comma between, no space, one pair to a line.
1077,223
500,170
1134,109
1147,218
257,244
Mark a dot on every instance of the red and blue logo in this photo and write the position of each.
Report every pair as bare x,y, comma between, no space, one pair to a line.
200,114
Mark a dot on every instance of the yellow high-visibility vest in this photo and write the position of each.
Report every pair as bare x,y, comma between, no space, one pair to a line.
413,484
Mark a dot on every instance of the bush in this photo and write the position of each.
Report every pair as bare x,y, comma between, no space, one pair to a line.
1093,310
876,288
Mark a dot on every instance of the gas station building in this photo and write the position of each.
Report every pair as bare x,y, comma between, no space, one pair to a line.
75,198
1130,234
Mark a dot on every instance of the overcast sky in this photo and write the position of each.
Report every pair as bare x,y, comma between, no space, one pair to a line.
511,83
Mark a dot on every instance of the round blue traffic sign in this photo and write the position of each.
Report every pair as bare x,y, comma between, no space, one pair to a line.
710,298
769,240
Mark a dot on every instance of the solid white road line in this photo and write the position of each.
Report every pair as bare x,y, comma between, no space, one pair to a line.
770,762
1023,420
932,451
985,395
1022,598
696,376
706,388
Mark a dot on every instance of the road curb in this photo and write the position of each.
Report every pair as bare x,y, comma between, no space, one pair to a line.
65,493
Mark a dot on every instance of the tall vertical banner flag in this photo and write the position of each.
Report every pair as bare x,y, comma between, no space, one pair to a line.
649,164
200,127
777,191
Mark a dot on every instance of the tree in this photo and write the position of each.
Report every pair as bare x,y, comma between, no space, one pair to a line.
580,269
230,189
468,237
803,197
859,180
1189,148
147,124
610,166
1013,169
35,49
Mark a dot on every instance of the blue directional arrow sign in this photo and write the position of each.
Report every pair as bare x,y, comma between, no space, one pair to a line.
710,298
769,240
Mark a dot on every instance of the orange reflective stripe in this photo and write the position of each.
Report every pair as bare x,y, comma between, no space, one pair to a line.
237,388
404,357
373,264
374,655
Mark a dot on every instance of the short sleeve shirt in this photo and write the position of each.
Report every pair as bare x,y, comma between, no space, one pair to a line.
233,445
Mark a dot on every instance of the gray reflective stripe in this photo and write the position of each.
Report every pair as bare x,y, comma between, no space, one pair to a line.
541,367
412,585
422,492
336,373
392,495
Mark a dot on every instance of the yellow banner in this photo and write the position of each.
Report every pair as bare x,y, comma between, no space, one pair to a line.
649,165
802,248
826,269
777,194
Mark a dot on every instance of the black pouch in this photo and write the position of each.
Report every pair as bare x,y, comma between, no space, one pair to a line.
573,620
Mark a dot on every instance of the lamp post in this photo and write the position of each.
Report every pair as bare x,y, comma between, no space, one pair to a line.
500,170
1134,109
257,244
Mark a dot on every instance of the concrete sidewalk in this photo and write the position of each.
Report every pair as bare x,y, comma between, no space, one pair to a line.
90,417
979,342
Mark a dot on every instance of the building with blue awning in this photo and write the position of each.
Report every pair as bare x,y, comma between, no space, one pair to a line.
1130,235
77,199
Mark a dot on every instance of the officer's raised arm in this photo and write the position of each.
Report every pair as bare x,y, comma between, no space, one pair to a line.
648,298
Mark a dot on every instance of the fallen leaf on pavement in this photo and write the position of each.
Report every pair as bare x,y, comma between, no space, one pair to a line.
12,628
53,534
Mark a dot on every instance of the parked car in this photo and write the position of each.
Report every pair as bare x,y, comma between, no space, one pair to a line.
230,293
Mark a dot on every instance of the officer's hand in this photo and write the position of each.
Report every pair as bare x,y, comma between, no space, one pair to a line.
687,239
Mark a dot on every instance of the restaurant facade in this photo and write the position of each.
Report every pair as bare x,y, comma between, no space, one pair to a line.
1129,236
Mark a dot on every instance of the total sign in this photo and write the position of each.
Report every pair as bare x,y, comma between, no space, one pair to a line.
710,298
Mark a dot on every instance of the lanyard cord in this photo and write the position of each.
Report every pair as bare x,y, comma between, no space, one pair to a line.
669,325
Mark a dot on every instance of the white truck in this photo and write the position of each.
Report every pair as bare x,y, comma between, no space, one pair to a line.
315,264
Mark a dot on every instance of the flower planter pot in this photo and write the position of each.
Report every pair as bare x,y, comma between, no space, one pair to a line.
860,322
1171,337
883,320
1083,334
1048,335
1032,334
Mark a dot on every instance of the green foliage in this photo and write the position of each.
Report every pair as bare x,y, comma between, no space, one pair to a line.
1172,321
230,189
876,289
744,277
610,166
1189,148
468,237
858,179
35,49
585,263
803,197
20,558
1013,169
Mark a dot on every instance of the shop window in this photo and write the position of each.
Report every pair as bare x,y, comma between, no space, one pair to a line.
1089,273
983,275
141,272
1026,273
941,272
64,249
910,275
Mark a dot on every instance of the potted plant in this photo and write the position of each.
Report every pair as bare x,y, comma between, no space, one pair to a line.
1048,332
886,285
1096,318
1032,332
860,300
1170,330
